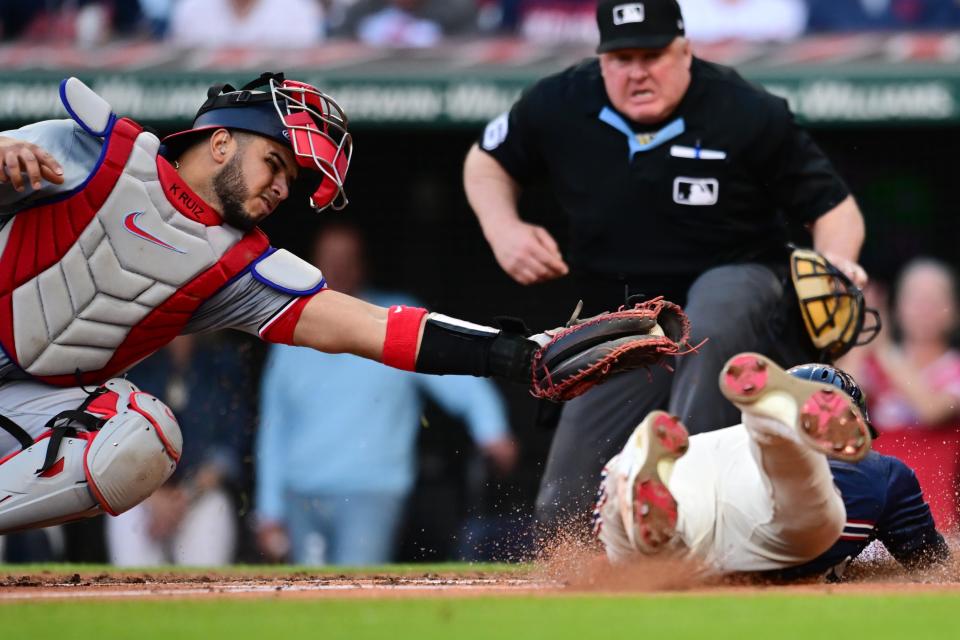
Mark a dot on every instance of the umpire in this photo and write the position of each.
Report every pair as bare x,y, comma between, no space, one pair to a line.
680,178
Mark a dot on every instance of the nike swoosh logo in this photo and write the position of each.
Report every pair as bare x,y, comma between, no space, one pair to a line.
130,224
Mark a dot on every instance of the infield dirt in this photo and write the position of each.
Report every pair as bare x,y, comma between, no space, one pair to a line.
566,569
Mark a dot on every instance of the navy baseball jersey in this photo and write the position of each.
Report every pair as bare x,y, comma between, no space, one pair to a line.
884,502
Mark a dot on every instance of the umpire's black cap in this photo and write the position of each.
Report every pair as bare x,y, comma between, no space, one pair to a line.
651,24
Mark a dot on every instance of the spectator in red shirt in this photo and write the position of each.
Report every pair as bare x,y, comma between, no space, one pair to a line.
913,384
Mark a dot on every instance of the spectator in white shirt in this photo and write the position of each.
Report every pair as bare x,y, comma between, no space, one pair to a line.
265,23
714,20
408,23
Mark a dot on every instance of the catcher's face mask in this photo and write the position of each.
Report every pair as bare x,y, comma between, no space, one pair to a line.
831,305
317,130
294,114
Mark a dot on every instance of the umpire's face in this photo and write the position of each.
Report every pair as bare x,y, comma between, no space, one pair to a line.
646,85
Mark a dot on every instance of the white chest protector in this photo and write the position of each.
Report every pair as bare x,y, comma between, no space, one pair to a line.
93,282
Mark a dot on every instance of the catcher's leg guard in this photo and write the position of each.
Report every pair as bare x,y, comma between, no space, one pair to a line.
111,453
825,417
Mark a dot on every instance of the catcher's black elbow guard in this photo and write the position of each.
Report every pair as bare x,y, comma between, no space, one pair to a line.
452,346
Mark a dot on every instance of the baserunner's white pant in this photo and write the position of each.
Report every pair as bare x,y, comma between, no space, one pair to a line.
752,497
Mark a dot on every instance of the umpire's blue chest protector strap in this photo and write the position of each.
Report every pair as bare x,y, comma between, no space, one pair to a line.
667,133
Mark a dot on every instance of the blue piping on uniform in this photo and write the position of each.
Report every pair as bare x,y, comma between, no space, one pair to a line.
273,285
293,292
83,125
59,197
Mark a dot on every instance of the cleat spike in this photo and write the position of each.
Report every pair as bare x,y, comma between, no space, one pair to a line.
650,515
825,416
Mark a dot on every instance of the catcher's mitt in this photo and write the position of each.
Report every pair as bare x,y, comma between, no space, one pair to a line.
574,358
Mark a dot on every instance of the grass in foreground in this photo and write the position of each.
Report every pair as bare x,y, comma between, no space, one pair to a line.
668,617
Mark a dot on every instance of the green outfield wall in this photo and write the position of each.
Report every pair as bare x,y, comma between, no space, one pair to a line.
858,80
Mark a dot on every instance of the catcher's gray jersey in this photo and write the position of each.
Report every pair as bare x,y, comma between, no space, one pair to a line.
244,303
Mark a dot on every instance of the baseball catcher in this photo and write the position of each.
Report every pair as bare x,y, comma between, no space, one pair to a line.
794,489
112,243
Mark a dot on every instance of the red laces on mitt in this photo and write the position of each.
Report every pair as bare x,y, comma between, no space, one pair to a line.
574,358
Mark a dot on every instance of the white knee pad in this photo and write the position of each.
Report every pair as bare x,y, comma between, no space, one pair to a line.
135,452
107,470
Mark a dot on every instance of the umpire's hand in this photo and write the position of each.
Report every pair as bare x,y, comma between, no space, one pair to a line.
849,268
527,252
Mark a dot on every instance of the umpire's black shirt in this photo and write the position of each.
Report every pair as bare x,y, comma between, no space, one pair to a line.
653,207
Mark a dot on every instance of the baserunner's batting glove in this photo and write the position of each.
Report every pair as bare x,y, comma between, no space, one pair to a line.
584,353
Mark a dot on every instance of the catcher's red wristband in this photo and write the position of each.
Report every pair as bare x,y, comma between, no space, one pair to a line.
403,330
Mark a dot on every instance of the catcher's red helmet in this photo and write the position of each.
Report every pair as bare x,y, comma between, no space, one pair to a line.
290,112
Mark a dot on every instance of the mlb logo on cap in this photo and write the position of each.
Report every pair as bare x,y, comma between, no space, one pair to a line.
627,13
652,24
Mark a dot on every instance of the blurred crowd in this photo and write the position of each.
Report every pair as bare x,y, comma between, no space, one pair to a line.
423,23
911,377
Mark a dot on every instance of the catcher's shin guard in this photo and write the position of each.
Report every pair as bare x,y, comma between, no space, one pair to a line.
107,456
